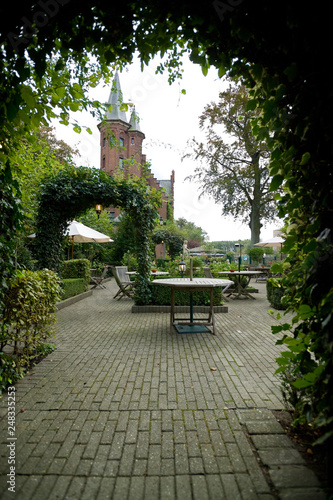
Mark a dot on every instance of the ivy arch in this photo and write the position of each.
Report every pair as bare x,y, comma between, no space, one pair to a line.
74,190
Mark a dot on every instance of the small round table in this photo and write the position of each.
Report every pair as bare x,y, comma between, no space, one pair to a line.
188,285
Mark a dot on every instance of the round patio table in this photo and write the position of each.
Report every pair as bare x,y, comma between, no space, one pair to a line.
196,284
240,289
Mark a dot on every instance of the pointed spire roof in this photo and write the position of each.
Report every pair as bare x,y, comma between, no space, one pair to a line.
116,100
135,121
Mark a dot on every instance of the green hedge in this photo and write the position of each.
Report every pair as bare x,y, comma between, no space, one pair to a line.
161,295
76,268
72,287
275,292
27,321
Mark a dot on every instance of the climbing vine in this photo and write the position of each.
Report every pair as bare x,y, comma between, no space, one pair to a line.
73,191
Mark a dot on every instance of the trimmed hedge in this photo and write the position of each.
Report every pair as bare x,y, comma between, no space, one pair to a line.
76,268
72,287
275,292
28,320
161,295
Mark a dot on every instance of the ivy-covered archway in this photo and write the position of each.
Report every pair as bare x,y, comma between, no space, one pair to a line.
74,190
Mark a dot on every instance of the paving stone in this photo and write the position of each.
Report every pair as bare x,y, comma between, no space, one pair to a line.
281,456
293,476
127,409
261,427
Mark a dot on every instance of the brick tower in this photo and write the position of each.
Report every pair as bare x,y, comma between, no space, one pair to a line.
121,149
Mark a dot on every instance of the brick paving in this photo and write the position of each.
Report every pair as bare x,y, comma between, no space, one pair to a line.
124,409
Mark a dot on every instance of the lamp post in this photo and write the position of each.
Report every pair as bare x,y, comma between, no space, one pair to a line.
182,268
240,254
98,209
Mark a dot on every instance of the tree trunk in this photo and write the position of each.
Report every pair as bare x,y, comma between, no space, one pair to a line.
255,224
255,216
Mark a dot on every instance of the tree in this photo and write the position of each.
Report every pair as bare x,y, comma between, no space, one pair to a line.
234,169
194,235
37,156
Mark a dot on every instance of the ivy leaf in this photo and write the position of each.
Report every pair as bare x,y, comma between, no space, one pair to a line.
305,158
276,182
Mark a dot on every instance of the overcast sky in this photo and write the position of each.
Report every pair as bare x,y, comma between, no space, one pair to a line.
168,119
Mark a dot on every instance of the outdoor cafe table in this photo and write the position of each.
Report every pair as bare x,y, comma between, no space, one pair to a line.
241,288
191,286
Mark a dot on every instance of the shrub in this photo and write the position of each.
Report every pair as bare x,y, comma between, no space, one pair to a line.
27,321
72,287
256,254
129,259
161,295
275,292
76,268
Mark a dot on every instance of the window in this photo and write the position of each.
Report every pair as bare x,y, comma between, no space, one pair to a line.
103,163
104,142
121,162
132,140
121,141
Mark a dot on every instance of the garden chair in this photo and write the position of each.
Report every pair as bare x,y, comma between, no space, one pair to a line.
208,274
98,280
125,284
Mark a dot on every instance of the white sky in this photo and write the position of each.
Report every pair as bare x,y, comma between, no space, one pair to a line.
168,119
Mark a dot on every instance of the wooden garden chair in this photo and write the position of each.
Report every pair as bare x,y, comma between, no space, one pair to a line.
98,280
125,285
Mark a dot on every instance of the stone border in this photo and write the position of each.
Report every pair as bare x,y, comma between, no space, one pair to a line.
178,309
72,300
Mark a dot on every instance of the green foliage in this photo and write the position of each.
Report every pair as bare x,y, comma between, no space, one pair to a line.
256,253
161,295
129,259
123,239
27,320
72,286
219,265
10,221
74,190
171,236
275,292
9,371
36,157
194,235
77,268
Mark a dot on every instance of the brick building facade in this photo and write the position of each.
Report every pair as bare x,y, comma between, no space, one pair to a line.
121,150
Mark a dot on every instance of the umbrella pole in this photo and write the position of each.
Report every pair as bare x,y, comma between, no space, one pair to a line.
72,247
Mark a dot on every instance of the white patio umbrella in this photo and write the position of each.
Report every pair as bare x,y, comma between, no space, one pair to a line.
79,233
276,242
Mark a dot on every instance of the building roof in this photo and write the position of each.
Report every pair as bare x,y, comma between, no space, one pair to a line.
116,100
135,121
167,185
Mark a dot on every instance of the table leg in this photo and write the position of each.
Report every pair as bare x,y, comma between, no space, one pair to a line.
172,312
211,317
191,307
